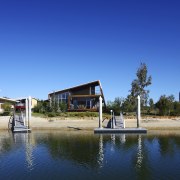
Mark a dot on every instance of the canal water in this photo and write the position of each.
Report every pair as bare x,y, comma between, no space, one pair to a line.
84,155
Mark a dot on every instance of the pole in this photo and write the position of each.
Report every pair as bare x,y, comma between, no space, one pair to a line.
138,112
100,112
113,121
26,111
111,117
29,111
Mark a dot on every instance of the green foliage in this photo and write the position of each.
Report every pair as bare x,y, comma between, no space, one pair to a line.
151,104
51,114
129,104
82,114
62,107
176,110
42,107
6,113
7,109
138,85
116,105
165,105
6,106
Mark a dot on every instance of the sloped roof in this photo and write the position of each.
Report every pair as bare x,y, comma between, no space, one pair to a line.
95,83
7,99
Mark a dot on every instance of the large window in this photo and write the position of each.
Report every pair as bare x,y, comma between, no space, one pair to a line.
63,97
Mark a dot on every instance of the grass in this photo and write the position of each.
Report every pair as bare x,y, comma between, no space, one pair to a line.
70,114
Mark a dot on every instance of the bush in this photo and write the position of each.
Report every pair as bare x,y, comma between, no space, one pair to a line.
6,113
51,114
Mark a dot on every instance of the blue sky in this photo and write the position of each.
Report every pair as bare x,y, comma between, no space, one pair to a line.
52,45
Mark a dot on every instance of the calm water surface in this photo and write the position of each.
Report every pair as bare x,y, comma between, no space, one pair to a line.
83,155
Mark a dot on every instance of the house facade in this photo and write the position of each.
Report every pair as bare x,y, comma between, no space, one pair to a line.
12,102
83,97
4,100
23,99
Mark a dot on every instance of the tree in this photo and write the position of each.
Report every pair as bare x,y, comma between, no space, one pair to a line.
151,104
115,105
129,104
176,109
6,106
138,85
165,104
42,107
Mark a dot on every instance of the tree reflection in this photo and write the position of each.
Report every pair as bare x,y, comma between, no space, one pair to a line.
81,149
6,142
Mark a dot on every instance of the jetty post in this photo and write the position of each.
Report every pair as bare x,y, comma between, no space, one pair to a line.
111,118
29,111
113,121
100,112
26,105
138,111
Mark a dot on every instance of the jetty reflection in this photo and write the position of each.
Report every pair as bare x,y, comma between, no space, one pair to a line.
25,139
104,156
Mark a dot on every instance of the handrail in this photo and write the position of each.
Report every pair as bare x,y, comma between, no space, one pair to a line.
104,119
10,122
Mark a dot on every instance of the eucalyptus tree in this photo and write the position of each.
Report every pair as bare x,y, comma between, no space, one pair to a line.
138,85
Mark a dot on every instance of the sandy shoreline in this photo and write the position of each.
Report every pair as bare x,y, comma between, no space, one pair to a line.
89,123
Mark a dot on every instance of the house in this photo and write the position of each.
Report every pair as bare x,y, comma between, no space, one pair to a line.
12,102
4,100
84,97
33,101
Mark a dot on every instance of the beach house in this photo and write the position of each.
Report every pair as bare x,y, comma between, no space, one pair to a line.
84,97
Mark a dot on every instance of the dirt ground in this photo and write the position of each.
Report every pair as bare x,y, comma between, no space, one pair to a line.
91,123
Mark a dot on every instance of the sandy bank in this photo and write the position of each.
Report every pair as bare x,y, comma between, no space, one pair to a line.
90,124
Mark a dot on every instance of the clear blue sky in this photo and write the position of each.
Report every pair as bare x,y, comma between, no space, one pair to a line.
55,44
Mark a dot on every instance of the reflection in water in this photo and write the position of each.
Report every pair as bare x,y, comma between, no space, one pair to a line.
29,153
26,140
122,138
101,151
74,155
113,141
139,153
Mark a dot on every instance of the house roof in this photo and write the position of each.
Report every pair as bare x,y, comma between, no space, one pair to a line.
23,98
95,83
13,100
7,99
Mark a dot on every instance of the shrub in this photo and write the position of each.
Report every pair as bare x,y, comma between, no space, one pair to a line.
51,114
6,113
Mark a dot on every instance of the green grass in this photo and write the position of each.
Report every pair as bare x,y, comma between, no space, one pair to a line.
70,114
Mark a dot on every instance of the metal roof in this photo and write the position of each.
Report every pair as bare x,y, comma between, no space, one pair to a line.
7,99
96,83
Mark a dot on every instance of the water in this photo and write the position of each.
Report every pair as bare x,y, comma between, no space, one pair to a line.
83,155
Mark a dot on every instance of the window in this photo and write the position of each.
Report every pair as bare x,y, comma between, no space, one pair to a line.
63,97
